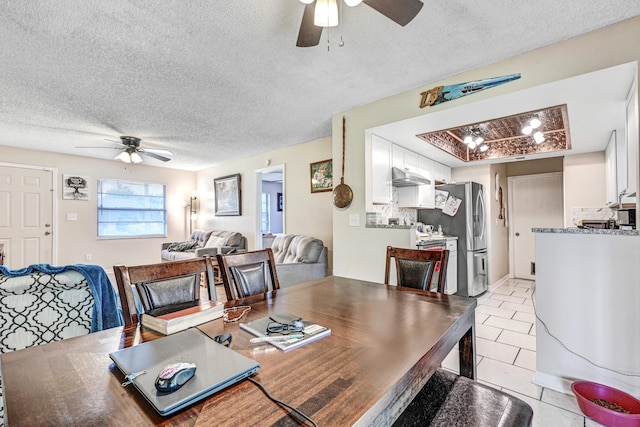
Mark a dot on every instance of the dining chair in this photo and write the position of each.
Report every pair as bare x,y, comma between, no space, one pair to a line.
248,273
415,268
164,287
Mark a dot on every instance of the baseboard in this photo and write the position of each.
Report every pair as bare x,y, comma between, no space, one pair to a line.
553,382
498,283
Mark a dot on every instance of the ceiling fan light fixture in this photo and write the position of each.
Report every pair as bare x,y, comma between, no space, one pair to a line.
535,123
484,147
538,137
125,157
326,13
467,140
135,157
472,144
352,3
307,1
479,140
527,130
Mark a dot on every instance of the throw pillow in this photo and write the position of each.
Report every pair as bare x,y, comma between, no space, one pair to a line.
216,242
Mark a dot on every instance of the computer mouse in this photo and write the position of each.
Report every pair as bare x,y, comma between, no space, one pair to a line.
174,375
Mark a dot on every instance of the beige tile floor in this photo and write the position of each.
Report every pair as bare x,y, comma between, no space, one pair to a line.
506,355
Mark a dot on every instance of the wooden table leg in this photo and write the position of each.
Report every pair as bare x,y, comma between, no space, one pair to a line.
467,350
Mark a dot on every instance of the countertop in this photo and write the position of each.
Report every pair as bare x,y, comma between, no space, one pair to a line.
575,230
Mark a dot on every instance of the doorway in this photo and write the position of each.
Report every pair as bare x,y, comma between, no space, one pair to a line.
535,201
27,195
270,205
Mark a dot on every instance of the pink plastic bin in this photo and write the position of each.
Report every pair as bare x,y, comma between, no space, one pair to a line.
585,390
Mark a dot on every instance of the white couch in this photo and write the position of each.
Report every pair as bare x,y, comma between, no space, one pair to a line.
203,243
299,259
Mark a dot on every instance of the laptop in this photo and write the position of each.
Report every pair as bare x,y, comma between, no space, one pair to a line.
217,367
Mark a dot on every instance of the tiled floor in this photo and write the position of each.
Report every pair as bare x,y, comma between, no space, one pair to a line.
506,355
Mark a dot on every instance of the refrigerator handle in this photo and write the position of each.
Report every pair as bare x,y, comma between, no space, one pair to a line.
480,210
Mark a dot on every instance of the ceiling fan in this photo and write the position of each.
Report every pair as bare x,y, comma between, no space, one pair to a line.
132,153
324,13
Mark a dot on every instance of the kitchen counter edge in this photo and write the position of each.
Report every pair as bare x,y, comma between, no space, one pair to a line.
575,230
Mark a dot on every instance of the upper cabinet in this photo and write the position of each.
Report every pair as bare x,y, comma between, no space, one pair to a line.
632,139
611,169
441,173
381,155
385,155
405,159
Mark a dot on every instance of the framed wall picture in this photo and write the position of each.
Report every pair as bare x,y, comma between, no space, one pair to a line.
321,176
227,195
75,187
280,202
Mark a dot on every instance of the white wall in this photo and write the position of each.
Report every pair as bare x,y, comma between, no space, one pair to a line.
305,213
76,239
584,183
359,251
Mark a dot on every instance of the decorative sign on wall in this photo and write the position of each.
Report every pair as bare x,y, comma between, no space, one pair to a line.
440,94
75,187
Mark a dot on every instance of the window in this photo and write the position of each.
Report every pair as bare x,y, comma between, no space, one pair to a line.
264,216
131,209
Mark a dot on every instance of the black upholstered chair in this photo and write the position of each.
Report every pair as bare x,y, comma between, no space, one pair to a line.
415,268
452,400
163,287
248,273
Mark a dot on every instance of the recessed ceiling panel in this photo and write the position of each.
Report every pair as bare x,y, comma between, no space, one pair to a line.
505,137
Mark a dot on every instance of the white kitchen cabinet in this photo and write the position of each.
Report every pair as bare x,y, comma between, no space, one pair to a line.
632,139
419,196
441,173
381,155
405,159
611,172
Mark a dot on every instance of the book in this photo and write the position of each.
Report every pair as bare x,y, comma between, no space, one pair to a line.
310,333
175,321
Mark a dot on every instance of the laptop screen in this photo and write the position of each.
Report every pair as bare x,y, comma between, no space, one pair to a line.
217,367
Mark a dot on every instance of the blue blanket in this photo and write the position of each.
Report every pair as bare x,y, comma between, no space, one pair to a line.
107,312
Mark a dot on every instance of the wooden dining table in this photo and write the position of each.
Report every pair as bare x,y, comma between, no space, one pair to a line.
384,345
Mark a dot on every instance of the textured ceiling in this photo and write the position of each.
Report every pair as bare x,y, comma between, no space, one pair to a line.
216,81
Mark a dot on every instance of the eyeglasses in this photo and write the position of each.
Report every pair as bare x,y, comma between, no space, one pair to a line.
276,327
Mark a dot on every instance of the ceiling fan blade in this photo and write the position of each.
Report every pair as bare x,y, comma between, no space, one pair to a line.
309,34
93,146
155,156
399,11
113,140
158,151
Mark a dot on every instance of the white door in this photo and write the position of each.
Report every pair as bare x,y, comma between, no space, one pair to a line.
535,202
26,216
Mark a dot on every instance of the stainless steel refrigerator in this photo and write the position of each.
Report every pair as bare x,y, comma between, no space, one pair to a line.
469,224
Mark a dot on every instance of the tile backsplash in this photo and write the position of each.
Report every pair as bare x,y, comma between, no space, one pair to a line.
406,216
600,214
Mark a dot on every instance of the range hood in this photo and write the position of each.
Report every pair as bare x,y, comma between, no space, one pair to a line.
404,178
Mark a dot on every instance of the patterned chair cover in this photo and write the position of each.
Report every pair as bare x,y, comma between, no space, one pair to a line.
40,308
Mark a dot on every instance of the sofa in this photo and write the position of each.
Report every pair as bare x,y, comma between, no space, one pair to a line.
201,243
299,259
42,304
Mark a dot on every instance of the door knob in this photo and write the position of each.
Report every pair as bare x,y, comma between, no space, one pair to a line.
517,234
47,225
46,233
